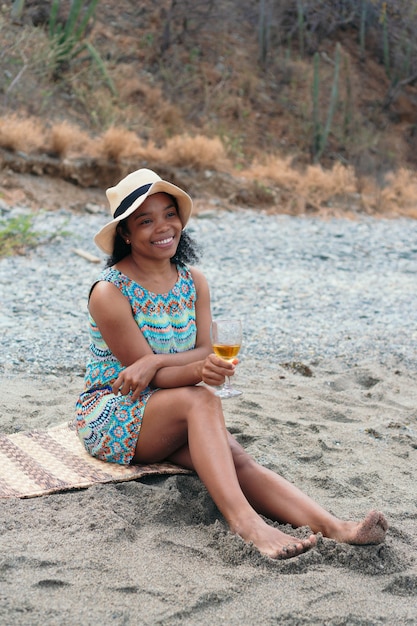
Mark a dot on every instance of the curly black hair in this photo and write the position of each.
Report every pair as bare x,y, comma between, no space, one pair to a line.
188,251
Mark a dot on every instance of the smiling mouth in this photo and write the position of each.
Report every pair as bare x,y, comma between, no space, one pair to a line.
163,242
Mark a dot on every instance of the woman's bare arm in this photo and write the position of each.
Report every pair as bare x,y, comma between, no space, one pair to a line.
113,315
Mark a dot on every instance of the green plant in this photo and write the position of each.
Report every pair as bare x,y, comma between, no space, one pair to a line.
385,40
99,62
301,26
233,144
17,234
68,39
17,9
148,40
321,132
362,29
263,33
348,101
406,70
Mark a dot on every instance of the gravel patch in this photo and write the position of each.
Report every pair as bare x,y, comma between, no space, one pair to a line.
308,290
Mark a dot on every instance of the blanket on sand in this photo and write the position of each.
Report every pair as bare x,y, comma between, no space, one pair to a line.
41,462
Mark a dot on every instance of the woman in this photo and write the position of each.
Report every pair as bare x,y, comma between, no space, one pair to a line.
150,348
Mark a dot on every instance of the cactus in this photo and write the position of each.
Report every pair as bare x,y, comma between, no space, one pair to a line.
317,129
263,33
362,29
301,26
348,102
17,9
320,132
385,40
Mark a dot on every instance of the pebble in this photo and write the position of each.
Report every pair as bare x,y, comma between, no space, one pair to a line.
308,290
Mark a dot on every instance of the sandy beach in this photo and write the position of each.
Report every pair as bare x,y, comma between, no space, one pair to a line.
330,403
156,551
292,125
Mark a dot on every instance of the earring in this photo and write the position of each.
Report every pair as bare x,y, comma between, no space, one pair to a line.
128,241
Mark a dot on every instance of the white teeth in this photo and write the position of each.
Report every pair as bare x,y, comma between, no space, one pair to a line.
163,241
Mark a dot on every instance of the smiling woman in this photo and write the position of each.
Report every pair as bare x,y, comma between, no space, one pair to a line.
154,226
114,238
150,349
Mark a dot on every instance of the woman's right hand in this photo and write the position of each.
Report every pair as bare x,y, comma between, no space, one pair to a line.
215,370
136,377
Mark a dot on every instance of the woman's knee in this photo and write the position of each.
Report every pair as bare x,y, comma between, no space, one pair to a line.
203,403
203,397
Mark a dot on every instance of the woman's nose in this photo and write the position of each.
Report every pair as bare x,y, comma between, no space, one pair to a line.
161,225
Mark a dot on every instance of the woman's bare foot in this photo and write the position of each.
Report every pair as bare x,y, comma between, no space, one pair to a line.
371,530
272,542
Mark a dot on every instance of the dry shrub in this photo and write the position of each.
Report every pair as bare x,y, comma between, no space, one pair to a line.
321,185
198,152
212,74
21,134
168,116
151,95
135,92
150,152
314,186
400,194
232,107
65,139
276,169
134,89
118,143
249,84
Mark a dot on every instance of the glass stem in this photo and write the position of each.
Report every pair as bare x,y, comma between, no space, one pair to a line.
227,384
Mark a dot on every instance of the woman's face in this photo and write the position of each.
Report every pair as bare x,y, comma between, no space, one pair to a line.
154,229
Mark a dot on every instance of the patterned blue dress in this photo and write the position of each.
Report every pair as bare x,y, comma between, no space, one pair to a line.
107,424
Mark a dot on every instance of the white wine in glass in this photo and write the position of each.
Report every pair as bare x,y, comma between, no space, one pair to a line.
226,339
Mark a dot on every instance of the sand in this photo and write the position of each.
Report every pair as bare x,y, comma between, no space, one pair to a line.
156,551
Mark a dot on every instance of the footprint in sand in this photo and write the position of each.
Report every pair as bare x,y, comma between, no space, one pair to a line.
404,585
51,583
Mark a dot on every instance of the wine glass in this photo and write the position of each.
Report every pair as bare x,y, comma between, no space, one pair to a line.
226,338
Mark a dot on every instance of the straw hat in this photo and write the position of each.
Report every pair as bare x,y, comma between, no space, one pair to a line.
129,194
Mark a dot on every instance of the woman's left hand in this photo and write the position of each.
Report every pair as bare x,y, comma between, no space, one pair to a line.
136,377
215,370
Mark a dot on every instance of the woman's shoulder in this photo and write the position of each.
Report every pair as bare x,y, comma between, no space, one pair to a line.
108,276
198,278
196,274
114,276
189,272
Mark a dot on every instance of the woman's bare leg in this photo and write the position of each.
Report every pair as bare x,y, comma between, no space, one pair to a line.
263,490
278,499
188,424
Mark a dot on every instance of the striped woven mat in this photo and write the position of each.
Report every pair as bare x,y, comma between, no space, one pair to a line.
42,462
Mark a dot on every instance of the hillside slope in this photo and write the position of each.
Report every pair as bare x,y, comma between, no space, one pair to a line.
197,69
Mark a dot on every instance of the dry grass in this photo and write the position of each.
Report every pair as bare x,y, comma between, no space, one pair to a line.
65,140
274,183
198,152
314,187
318,189
22,134
146,107
400,194
115,144
118,143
